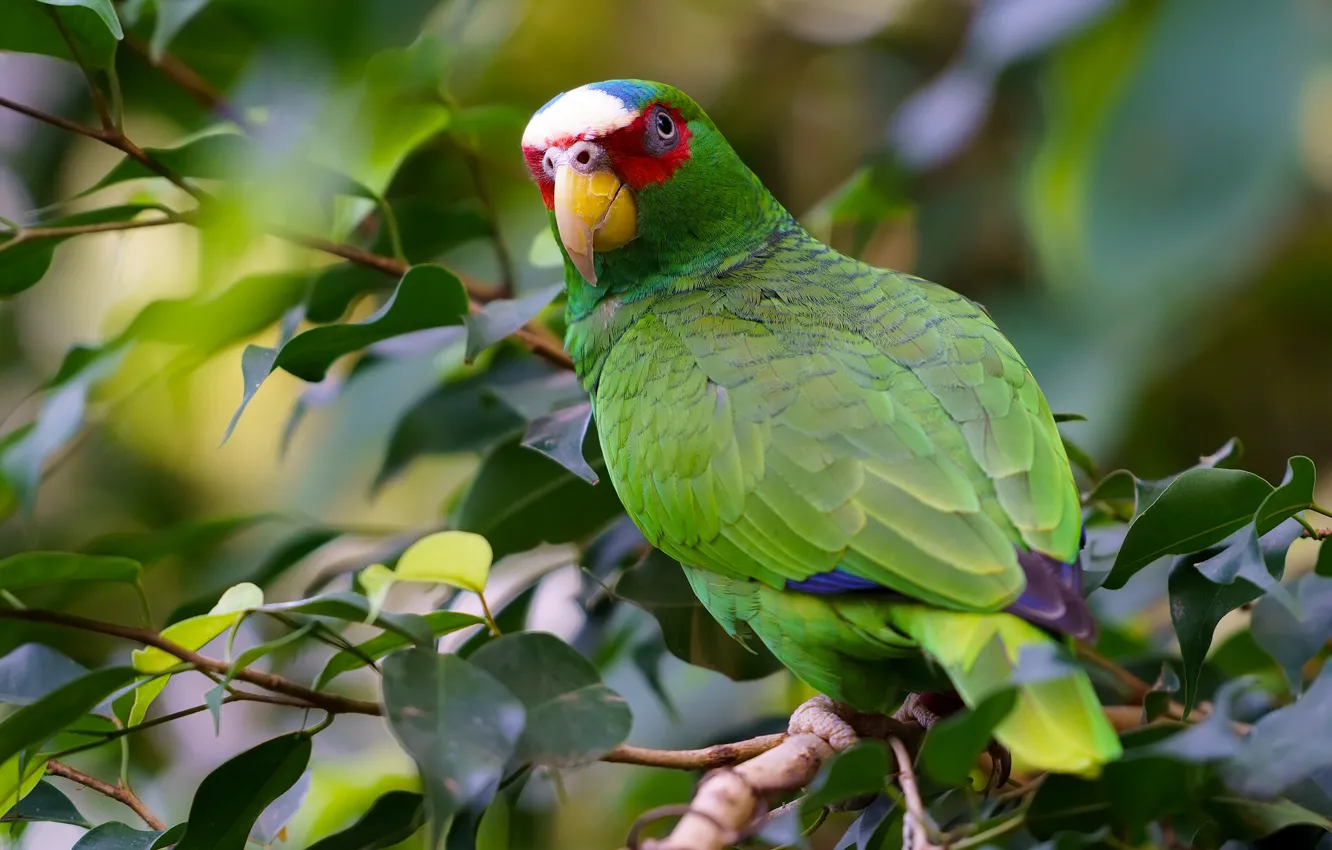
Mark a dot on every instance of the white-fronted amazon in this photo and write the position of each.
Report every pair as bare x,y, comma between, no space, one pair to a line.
852,464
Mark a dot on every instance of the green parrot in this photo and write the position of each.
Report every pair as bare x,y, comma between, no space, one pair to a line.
853,465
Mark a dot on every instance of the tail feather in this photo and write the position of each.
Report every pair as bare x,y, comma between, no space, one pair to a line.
1057,723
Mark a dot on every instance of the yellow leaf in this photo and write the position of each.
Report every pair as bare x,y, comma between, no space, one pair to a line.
14,786
192,634
376,580
457,558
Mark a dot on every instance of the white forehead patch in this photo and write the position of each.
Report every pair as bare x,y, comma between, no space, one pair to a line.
582,111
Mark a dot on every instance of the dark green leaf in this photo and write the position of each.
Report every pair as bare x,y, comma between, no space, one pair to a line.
647,657
541,396
1213,738
275,818
572,717
355,608
1129,794
460,416
458,724
231,798
657,584
952,745
187,540
209,324
427,297
1197,604
1295,494
336,288
520,500
46,803
1078,456
1286,745
560,437
1292,637
172,16
855,772
116,836
1323,566
24,259
869,826
440,623
393,818
1157,701
26,27
32,671
256,365
1199,508
1253,819
32,569
1069,417
33,724
498,319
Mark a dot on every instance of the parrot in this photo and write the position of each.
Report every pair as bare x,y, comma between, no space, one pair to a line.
852,465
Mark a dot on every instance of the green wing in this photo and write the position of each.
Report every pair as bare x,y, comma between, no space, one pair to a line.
879,424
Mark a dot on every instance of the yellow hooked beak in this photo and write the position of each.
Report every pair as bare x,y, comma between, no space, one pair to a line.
594,212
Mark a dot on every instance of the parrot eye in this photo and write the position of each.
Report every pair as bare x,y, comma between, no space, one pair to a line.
662,135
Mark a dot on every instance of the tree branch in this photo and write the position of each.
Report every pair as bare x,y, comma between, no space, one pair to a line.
186,78
55,120
95,93
121,793
316,699
28,234
708,758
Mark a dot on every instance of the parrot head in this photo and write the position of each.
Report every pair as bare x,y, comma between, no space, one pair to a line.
637,178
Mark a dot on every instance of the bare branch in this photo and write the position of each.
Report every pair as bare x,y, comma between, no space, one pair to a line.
708,758
120,793
55,120
31,234
95,93
185,77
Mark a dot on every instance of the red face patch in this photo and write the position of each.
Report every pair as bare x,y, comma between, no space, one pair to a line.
630,157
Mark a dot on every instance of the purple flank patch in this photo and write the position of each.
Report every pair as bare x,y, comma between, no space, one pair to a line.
834,581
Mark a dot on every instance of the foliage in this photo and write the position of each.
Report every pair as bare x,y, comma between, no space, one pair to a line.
396,290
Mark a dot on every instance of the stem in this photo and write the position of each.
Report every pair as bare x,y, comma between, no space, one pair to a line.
12,600
980,839
99,104
33,233
492,214
119,793
1317,508
490,619
193,84
55,120
708,758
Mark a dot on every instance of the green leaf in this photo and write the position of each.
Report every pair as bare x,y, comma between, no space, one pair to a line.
268,828
493,831
117,836
58,421
427,297
456,558
572,718
1197,604
376,580
439,622
256,365
1295,494
953,745
26,27
458,724
231,798
1130,793
172,16
1286,745
1294,637
1323,566
193,634
187,540
32,569
855,772
102,8
19,776
560,436
354,608
1199,508
460,416
1253,819
869,830
519,500
393,818
657,584
33,670
46,803
498,319
32,725
25,258
209,323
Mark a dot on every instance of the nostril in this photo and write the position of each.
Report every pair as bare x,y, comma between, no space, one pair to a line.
583,157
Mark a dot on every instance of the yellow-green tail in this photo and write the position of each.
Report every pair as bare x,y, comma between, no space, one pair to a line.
1057,724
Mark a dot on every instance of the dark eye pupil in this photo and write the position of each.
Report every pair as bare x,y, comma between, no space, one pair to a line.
665,126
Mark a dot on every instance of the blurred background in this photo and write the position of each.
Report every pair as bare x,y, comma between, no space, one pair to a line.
1140,192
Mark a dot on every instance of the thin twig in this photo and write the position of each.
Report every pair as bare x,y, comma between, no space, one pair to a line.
98,102
186,78
121,793
55,120
708,758
506,273
916,827
267,681
32,233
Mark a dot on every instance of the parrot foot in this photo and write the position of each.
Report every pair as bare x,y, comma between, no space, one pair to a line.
826,718
928,709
